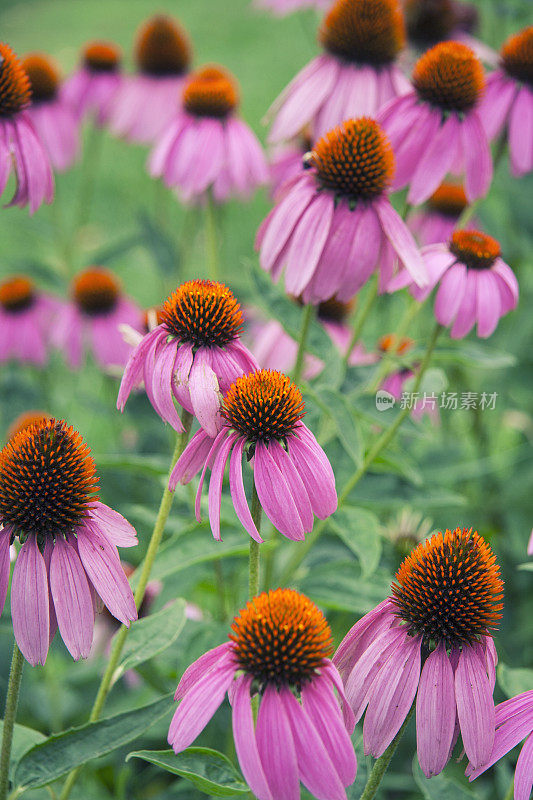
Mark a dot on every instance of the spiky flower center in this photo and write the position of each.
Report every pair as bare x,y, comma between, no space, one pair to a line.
15,89
429,21
517,56
162,47
391,343
364,31
449,200
449,76
101,57
281,638
334,310
211,92
95,291
203,313
263,405
354,160
26,420
47,480
475,249
17,294
43,76
449,589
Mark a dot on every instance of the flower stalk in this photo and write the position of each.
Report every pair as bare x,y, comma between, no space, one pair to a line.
12,699
211,239
308,314
361,318
253,562
380,767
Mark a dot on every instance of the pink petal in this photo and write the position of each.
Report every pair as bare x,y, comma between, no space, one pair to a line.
435,712
317,476
402,241
245,741
307,242
275,495
72,599
450,294
196,671
5,537
276,747
521,132
477,157
360,636
523,778
488,303
466,315
475,706
280,223
114,525
162,378
205,393
508,285
435,162
29,603
215,484
192,459
296,485
238,496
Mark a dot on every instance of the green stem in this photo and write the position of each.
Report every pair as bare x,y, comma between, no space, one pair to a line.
12,699
120,638
89,170
361,318
253,563
388,358
381,442
380,767
308,314
211,238
221,590
510,791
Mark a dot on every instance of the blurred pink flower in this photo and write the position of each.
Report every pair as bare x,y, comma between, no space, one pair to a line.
279,652
355,76
21,149
286,162
147,102
25,319
92,89
430,640
335,225
475,284
294,480
206,147
282,7
95,314
68,556
436,222
53,119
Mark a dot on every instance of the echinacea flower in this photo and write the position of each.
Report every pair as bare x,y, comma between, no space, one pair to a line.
262,414
147,102
436,128
436,222
68,556
91,90
475,284
508,100
21,149
25,318
193,355
278,652
430,639
286,162
206,147
514,722
53,119
282,7
93,317
355,76
335,224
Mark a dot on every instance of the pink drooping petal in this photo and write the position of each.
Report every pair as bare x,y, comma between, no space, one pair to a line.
514,721
116,527
245,741
72,597
466,314
192,459
360,636
412,143
323,710
215,445
436,161
316,769
182,370
205,392
307,242
276,747
521,133
475,706
47,555
133,371
477,157
215,483
196,671
435,712
317,477
335,257
508,285
162,380
402,241
523,778
102,564
391,696
5,540
488,303
278,227
30,603
238,496
450,294
496,102
296,485
275,495
200,703
331,674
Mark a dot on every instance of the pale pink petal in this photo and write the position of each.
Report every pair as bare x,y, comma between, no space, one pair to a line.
276,747
317,476
204,392
275,495
296,485
435,162
523,778
508,285
360,636
435,712
114,525
307,242
238,496
72,599
215,484
191,460
196,671
521,132
245,741
402,241
477,157
278,227
30,604
488,303
475,706
450,294
466,314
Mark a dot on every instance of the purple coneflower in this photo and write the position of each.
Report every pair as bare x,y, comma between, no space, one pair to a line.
335,224
436,128
21,149
68,556
286,162
278,651
282,7
436,222
475,284
53,119
508,100
206,147
95,313
193,355
356,74
262,415
92,89
147,102
514,722
431,639
25,318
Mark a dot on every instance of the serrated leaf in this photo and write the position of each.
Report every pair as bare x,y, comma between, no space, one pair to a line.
360,531
515,681
23,739
152,635
210,771
64,751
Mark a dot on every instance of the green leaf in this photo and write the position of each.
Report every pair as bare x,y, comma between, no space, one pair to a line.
144,465
338,586
64,751
347,426
471,354
440,787
527,567
160,245
151,635
514,681
360,531
23,739
210,771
